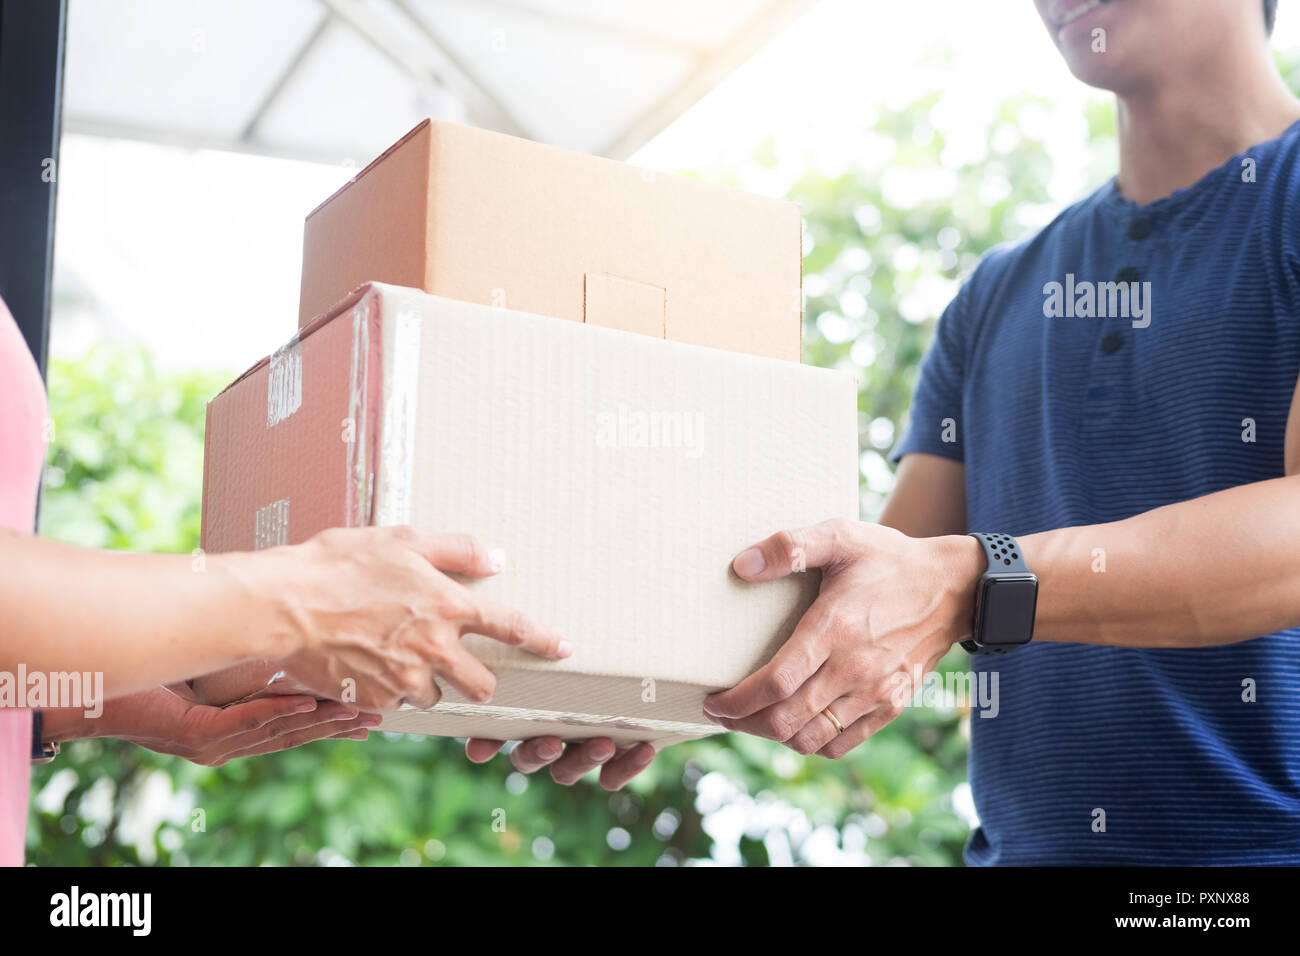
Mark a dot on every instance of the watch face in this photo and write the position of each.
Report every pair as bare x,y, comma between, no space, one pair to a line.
1007,610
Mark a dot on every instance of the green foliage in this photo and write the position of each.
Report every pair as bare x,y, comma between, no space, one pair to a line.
127,464
885,246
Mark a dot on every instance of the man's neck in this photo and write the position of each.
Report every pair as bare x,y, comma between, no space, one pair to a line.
1173,134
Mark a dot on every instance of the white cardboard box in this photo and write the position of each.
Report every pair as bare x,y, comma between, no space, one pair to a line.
620,473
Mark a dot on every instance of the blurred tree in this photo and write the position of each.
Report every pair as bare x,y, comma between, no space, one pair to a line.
886,244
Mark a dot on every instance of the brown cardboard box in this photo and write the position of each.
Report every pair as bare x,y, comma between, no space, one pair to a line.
482,217
621,474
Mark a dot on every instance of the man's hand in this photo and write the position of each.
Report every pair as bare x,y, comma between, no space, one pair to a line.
890,607
167,722
570,762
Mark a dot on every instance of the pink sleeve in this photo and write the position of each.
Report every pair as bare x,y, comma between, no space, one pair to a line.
15,778
23,415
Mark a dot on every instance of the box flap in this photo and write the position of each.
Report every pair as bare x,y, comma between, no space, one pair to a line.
618,303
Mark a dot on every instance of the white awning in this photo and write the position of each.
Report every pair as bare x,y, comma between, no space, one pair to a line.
339,80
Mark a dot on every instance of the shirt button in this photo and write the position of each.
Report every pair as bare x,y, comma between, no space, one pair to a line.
1111,343
1127,275
1139,228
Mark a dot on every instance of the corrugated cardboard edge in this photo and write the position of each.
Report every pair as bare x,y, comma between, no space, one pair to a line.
372,164
342,305
696,184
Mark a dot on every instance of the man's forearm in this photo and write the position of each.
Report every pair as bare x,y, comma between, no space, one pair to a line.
1213,570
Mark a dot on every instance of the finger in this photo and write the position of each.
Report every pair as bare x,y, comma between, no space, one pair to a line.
580,758
818,731
859,731
184,691
252,715
512,627
481,751
359,734
419,689
790,551
326,712
615,774
456,553
359,724
532,755
782,676
783,720
465,672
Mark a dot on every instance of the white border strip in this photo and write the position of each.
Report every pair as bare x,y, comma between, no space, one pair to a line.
358,394
397,456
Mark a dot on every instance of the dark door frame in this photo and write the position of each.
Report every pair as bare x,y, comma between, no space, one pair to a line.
31,102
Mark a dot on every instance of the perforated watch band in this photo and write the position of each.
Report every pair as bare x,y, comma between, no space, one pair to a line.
1003,555
1002,552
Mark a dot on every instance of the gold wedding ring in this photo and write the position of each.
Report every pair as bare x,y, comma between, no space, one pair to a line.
839,728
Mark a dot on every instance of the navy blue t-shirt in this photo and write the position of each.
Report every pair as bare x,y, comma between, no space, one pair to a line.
1068,412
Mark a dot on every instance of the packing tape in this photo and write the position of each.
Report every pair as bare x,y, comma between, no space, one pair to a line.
271,525
284,382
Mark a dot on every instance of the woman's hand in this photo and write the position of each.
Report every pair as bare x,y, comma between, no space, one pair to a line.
570,762
166,722
889,608
372,618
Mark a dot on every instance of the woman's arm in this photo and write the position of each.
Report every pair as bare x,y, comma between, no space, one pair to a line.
167,723
368,606
138,619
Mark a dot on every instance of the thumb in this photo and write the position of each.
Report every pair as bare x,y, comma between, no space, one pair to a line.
789,552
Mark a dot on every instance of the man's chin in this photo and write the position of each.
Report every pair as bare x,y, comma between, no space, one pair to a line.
1105,71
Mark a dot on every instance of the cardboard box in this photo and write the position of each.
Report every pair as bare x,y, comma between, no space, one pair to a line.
620,473
488,218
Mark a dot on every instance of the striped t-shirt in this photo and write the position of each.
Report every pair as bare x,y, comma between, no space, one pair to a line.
1067,411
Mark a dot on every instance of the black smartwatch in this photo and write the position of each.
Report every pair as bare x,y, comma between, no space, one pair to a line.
1005,598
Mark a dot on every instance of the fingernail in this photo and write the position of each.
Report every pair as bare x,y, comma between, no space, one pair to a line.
643,757
371,720
548,751
358,735
563,649
749,563
305,707
496,560
712,711
600,755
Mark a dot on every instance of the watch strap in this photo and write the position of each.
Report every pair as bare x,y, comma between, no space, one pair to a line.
41,751
1002,552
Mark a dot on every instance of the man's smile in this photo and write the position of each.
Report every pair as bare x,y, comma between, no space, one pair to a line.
1062,13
